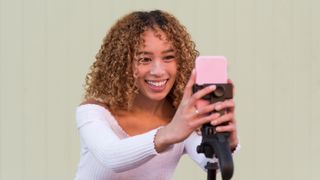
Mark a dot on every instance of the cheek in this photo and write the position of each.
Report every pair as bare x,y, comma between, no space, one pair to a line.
173,67
175,70
138,72
140,77
174,75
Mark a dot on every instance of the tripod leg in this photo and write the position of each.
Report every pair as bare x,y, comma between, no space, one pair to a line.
212,170
212,174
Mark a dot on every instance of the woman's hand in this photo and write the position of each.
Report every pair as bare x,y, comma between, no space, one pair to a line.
187,118
228,118
192,113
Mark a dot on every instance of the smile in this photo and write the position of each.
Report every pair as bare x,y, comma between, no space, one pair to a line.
157,83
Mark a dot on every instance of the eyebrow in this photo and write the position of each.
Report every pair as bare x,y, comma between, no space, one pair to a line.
167,51
150,53
144,52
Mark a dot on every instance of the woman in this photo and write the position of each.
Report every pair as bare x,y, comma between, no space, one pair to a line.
139,114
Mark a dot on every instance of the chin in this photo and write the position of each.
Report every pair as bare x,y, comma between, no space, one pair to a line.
157,97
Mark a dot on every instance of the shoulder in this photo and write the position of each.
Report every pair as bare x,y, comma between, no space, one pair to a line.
92,101
91,104
91,110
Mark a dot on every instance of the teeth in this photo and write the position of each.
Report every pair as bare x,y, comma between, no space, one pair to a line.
157,83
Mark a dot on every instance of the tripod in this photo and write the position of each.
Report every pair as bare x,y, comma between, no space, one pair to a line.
214,143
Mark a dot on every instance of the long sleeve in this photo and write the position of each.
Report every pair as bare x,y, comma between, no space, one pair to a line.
111,151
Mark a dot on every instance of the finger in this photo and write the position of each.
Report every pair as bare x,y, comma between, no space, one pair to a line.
203,120
228,128
208,108
223,119
201,93
230,81
203,112
188,90
227,104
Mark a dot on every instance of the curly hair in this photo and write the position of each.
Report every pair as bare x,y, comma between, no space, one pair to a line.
111,78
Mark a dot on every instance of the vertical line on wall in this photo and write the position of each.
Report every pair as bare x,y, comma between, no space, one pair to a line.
46,86
68,93
272,57
315,90
24,85
1,88
302,61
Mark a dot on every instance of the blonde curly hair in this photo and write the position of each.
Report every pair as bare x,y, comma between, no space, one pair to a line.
111,78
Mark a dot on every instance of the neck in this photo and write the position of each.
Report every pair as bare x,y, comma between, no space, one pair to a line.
143,105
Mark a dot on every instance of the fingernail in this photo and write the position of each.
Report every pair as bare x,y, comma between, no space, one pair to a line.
212,87
216,115
214,122
218,107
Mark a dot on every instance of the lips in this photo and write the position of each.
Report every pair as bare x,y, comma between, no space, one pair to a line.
158,85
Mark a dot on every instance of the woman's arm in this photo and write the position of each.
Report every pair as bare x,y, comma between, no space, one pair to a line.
114,153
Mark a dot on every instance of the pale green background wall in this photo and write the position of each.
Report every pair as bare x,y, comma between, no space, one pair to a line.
273,47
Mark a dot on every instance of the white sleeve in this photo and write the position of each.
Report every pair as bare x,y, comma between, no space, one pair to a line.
190,147
114,153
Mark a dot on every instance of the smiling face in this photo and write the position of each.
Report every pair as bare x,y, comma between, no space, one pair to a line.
155,66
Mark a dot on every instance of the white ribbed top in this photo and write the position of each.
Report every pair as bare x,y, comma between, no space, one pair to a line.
107,152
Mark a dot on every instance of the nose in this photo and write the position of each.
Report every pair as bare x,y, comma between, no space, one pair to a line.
157,68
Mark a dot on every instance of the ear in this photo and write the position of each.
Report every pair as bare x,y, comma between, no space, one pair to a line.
135,72
134,68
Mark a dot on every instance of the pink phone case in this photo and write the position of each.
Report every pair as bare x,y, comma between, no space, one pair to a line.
211,70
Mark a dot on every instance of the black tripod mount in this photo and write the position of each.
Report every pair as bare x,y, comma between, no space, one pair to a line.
215,144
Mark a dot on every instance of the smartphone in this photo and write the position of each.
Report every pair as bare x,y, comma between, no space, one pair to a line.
211,70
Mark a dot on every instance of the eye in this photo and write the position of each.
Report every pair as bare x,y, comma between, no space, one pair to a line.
144,60
169,58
